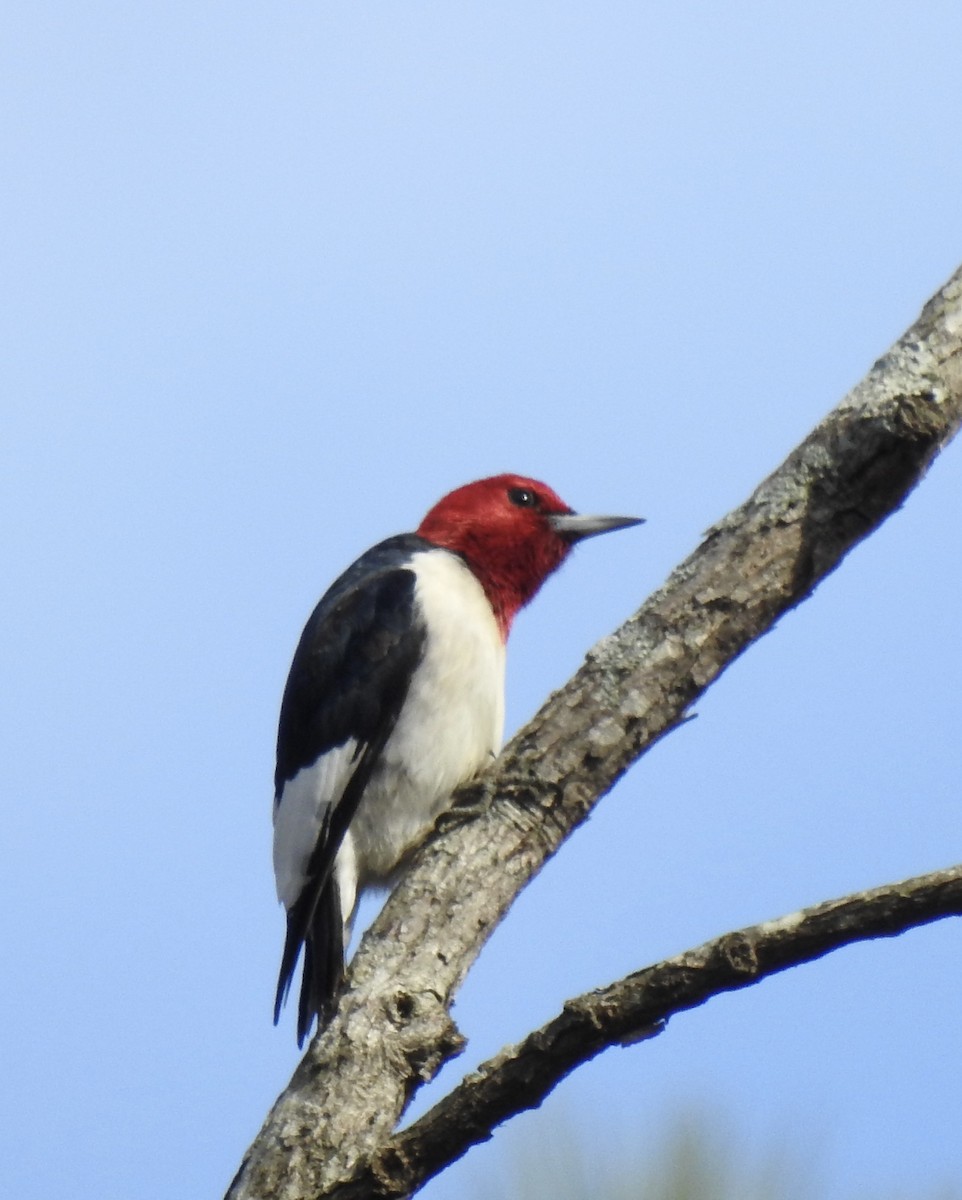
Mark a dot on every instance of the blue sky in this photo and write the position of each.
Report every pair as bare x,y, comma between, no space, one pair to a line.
277,277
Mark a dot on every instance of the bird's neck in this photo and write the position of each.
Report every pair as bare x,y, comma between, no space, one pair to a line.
510,578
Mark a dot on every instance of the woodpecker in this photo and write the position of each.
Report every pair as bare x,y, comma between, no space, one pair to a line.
395,697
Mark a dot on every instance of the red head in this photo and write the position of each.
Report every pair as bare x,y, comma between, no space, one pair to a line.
512,532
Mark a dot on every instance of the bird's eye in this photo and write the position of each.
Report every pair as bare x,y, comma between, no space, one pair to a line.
523,497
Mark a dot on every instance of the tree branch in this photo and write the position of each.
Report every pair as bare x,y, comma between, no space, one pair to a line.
634,1009
393,1031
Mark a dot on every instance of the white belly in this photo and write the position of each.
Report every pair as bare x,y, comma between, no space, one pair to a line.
451,724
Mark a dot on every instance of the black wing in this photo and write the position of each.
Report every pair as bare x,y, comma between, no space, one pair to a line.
348,680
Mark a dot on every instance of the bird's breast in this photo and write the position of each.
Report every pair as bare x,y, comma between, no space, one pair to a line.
450,725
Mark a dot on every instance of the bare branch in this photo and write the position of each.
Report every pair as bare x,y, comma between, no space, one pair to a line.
393,1030
637,1008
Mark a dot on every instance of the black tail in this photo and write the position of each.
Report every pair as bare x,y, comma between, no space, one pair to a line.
315,920
316,923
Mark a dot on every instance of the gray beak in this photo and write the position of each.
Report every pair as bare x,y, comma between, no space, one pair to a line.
574,526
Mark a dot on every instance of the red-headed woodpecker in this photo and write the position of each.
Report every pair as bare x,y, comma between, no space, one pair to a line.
394,698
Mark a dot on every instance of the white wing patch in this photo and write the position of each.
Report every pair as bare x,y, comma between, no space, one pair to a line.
299,815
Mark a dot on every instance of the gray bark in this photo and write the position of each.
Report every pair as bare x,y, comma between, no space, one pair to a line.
635,1009
393,1030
